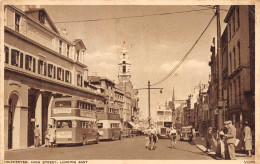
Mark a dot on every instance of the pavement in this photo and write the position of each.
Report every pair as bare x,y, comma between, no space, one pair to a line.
201,144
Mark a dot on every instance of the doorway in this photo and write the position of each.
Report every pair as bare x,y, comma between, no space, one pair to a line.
13,121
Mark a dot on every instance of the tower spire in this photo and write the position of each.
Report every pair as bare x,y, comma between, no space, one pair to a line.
124,65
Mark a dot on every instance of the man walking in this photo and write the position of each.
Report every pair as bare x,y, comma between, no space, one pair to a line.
230,139
172,135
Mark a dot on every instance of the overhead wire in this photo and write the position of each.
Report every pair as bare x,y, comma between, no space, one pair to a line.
135,16
185,56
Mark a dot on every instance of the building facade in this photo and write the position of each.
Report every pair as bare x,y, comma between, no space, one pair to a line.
241,66
40,65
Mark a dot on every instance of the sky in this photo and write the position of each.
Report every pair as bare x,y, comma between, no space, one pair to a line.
155,45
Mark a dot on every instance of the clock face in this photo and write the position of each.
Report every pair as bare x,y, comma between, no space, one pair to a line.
42,16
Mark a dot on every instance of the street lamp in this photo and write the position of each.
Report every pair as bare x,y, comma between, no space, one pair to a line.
149,100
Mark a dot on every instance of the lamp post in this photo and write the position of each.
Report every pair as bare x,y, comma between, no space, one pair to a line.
149,99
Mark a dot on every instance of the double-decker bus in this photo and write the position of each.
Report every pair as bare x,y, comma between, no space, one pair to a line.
163,121
109,126
75,120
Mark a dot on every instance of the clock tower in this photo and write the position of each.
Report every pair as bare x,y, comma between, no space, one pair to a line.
124,66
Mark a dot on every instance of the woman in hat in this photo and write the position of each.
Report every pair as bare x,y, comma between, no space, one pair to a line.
247,135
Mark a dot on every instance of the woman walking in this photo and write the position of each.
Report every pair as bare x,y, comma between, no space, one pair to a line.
209,138
247,135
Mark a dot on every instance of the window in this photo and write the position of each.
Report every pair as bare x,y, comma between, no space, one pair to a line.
77,55
6,54
28,63
64,124
124,69
14,57
67,76
238,17
60,46
17,22
238,47
235,90
79,80
160,113
68,50
63,104
21,62
124,62
229,29
51,71
230,61
59,73
239,90
41,67
234,52
233,22
230,95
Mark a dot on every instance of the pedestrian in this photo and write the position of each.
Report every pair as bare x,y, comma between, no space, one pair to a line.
37,136
47,137
247,137
209,139
220,152
52,135
230,139
172,135
152,136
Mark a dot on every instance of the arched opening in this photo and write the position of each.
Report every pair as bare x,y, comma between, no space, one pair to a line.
13,121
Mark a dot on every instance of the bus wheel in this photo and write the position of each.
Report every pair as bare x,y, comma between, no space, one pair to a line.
97,139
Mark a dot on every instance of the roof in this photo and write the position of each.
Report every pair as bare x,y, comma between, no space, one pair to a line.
230,11
48,17
80,42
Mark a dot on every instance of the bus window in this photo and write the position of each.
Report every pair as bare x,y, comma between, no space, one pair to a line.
160,113
64,124
100,125
63,104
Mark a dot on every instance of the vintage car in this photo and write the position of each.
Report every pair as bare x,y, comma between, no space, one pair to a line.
186,134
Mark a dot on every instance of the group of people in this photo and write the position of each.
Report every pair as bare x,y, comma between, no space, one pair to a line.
226,141
50,136
152,137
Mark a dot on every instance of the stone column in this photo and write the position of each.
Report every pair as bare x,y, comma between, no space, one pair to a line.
38,113
50,121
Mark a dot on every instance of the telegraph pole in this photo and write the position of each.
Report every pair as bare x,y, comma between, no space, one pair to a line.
220,78
149,100
149,105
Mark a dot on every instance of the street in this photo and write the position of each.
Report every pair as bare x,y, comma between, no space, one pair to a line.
125,149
